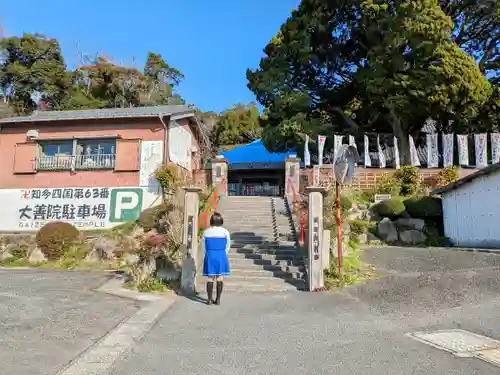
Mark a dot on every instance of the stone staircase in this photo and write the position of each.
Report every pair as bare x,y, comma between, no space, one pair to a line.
263,251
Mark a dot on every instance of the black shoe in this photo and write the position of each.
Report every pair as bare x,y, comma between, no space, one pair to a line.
220,285
210,290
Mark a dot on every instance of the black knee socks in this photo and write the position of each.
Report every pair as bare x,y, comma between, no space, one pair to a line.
220,284
210,289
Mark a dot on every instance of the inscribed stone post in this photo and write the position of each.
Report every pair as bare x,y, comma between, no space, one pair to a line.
315,238
191,259
292,178
219,174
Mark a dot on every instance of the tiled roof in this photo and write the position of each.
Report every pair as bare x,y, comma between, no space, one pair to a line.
89,114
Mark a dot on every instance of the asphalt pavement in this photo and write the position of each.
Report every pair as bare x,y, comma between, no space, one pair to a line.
47,318
360,330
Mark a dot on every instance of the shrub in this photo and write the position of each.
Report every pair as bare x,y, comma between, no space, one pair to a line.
168,177
448,175
389,208
345,204
387,184
149,218
424,207
56,238
408,178
359,227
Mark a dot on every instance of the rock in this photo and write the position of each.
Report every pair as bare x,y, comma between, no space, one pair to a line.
131,259
405,215
37,256
5,254
370,237
387,230
363,238
103,248
168,274
412,237
410,223
355,215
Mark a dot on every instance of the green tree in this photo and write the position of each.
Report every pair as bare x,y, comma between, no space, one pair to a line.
238,125
384,66
32,69
415,69
160,81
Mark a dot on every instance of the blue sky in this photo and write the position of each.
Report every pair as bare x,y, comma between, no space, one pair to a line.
212,42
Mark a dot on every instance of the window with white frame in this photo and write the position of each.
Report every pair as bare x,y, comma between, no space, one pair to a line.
76,154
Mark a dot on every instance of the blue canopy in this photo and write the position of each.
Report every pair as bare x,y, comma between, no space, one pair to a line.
254,152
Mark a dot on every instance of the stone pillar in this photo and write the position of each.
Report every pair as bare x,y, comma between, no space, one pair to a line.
219,174
316,174
292,178
315,276
191,261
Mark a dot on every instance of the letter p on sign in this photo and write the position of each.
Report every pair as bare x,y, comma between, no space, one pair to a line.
125,205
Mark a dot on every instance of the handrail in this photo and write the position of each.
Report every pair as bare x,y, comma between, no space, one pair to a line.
211,206
302,215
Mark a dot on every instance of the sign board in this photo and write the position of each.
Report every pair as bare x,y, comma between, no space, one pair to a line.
316,238
190,232
382,197
84,207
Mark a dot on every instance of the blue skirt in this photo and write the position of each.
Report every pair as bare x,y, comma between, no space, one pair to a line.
215,263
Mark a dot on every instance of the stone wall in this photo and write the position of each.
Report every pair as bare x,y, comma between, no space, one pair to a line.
366,178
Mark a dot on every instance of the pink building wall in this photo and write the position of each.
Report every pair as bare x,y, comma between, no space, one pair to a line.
15,169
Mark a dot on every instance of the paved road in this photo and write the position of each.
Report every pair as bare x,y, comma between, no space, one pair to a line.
358,331
48,317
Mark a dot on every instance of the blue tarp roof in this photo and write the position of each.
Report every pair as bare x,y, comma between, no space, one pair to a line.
254,152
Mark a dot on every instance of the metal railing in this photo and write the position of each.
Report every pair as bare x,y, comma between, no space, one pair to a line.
254,189
75,162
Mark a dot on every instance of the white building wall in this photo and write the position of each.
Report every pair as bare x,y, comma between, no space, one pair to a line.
471,213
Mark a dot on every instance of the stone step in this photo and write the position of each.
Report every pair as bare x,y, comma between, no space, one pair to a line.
280,257
277,251
234,285
263,273
265,261
248,264
236,245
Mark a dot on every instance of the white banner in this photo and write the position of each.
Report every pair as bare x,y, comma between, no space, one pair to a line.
368,160
413,153
307,154
352,142
321,147
397,163
447,150
381,156
463,149
432,150
151,159
481,148
495,147
337,144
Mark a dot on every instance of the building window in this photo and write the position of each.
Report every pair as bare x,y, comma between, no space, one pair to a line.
76,154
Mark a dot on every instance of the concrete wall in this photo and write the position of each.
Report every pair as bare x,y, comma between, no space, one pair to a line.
471,213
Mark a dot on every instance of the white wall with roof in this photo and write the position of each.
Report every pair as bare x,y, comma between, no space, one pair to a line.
471,212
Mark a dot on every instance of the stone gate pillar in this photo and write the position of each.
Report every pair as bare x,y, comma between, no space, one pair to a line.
315,276
191,262
219,174
292,178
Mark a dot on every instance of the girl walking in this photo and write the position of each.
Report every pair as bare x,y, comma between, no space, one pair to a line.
217,242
